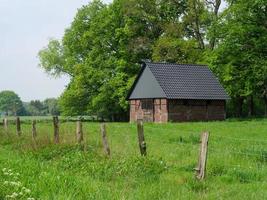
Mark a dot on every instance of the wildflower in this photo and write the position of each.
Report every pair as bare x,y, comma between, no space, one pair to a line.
28,191
14,195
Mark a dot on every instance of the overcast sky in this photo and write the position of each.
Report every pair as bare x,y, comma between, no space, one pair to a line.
25,28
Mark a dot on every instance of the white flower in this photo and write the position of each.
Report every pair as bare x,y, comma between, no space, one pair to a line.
14,195
28,191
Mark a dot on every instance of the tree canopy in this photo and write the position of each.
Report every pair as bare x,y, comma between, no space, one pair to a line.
10,103
104,45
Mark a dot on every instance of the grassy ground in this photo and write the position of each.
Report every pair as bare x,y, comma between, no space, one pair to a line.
237,162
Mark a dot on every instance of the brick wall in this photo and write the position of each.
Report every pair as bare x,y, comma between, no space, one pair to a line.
160,110
163,110
157,113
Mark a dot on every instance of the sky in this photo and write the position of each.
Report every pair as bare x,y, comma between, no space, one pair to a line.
25,28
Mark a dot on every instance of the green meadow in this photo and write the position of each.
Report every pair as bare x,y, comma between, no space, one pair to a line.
236,166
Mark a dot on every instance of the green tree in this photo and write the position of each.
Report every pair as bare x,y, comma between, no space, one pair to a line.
240,58
51,106
10,103
102,48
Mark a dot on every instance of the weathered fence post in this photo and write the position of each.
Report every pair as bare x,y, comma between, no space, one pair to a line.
79,131
56,129
18,126
202,160
141,137
104,139
34,132
5,121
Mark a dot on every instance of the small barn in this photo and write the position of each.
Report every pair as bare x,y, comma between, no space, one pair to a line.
165,92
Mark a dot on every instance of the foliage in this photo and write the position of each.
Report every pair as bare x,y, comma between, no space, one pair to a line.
103,47
240,57
10,103
49,106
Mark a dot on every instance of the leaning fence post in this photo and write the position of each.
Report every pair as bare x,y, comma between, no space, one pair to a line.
18,126
104,139
56,129
141,137
202,160
79,131
34,132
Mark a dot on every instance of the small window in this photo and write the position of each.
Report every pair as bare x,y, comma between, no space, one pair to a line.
147,104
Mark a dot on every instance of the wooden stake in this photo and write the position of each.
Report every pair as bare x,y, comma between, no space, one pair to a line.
56,129
141,137
6,124
18,126
34,132
203,152
104,139
79,131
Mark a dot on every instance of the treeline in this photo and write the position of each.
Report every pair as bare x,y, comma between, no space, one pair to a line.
11,105
104,45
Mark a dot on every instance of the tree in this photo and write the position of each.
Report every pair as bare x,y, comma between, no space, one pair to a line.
10,103
102,49
240,58
51,106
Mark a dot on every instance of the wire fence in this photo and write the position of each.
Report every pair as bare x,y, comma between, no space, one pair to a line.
220,146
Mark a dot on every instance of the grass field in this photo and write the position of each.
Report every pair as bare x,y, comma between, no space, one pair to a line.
236,169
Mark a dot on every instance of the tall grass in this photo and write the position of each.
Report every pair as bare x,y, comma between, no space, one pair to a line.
236,168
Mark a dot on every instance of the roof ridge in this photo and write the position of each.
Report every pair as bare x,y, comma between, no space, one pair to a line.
165,63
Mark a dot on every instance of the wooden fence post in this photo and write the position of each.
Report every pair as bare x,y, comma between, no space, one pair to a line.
104,139
5,121
18,126
34,132
79,131
141,137
56,129
202,160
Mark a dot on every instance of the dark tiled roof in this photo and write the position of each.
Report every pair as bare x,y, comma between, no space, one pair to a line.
182,81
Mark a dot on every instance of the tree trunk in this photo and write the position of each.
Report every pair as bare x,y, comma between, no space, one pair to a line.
197,26
240,102
250,106
216,6
265,110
